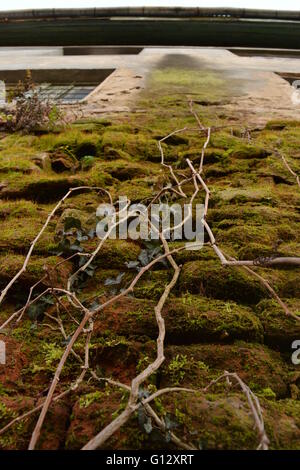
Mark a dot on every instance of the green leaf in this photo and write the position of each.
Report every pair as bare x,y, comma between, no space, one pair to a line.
113,282
148,426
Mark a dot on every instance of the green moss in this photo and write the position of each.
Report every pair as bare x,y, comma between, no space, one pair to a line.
241,235
184,256
18,234
208,85
280,330
42,189
268,393
188,320
177,368
123,171
19,209
19,163
6,414
278,125
138,190
224,140
139,147
152,285
217,422
90,124
255,194
11,263
52,353
211,279
212,155
72,140
116,253
89,398
211,319
256,364
247,151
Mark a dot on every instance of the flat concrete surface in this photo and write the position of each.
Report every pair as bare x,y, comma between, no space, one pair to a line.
52,58
257,92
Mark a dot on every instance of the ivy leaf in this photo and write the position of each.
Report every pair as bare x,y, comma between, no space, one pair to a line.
141,416
144,420
47,300
151,244
153,253
94,305
132,264
82,261
75,247
113,282
143,393
148,426
66,341
80,237
143,258
90,270
92,233
169,423
33,326
64,245
37,309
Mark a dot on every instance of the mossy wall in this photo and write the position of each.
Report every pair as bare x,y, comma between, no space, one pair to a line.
216,318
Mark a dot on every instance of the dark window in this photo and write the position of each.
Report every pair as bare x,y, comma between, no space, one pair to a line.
65,93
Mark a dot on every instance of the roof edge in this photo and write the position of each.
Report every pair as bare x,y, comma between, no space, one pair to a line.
158,12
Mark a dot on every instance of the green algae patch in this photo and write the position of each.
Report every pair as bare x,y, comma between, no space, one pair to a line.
210,86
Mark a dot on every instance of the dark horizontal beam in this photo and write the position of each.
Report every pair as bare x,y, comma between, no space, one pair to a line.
148,32
162,12
57,76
